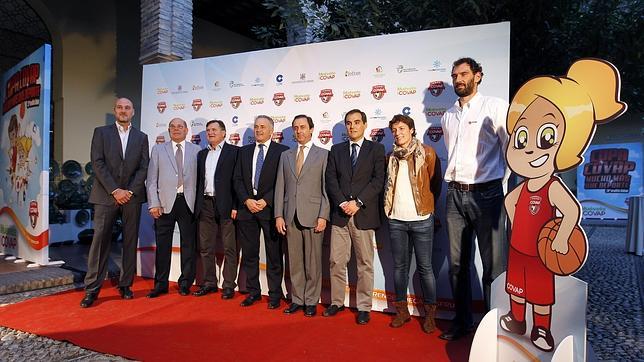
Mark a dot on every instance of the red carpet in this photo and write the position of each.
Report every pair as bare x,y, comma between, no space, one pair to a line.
173,327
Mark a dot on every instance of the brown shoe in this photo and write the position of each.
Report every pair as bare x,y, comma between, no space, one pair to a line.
402,315
429,324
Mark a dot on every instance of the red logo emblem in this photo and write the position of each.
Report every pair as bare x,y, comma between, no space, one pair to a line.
325,136
33,213
160,139
436,88
235,101
535,205
233,139
196,139
196,104
326,95
377,134
278,99
161,106
378,91
278,137
435,133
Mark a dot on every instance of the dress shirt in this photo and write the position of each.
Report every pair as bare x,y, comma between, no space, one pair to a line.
307,148
359,143
475,138
174,152
255,153
124,134
212,158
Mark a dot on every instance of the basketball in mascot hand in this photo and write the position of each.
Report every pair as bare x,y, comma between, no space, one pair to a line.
562,264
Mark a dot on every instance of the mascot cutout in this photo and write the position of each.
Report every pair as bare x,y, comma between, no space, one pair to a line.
551,121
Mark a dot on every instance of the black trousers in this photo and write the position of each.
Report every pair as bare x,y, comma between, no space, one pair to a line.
164,229
211,225
104,219
249,232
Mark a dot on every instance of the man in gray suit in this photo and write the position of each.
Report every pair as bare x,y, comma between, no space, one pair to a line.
172,184
301,213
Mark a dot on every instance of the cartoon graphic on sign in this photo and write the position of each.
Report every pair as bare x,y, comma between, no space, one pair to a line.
551,122
20,162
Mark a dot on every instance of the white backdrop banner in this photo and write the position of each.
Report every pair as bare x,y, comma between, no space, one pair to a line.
384,75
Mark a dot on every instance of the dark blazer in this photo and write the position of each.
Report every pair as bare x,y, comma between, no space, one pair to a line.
112,171
243,180
226,200
366,183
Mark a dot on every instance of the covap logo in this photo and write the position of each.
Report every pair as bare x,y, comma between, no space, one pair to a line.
161,106
196,104
326,75
301,98
325,136
436,88
216,104
235,101
278,99
256,101
326,95
378,91
435,133
406,91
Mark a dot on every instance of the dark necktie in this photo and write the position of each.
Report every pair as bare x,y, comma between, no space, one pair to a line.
258,166
354,155
178,156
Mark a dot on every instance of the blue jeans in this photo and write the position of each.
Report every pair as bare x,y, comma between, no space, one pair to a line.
471,213
417,236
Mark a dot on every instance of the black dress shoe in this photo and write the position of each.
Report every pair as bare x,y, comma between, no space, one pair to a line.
332,310
363,317
126,293
294,307
250,300
310,310
88,300
228,293
205,290
273,304
184,291
454,333
157,292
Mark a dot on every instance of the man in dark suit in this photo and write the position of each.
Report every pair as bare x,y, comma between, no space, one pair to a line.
301,213
216,208
172,188
355,178
119,156
255,175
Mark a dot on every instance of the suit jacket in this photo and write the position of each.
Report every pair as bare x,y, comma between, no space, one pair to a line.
244,180
223,181
112,171
162,176
366,183
305,194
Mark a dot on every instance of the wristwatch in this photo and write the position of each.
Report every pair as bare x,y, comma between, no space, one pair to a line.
359,203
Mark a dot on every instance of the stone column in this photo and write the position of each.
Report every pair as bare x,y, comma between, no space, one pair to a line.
166,31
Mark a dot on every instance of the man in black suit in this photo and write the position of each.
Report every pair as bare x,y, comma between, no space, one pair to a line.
119,155
216,208
355,177
255,175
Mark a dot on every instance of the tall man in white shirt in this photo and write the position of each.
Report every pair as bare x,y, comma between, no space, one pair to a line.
475,137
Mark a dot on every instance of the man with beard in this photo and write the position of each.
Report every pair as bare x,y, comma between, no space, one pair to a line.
475,138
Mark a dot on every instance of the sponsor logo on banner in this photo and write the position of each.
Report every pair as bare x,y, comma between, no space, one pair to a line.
352,73
235,119
278,99
196,139
402,69
378,114
437,66
326,95
33,213
302,79
160,139
162,125
179,90
325,115
194,123
178,106
406,91
162,90
278,119
377,134
378,91
325,136
326,75
609,169
435,133
436,88
534,205
216,85
278,137
196,104
435,111
161,106
350,94
216,104
258,82
256,101
380,72
235,101
197,87
233,84
406,111
279,79
301,98
233,139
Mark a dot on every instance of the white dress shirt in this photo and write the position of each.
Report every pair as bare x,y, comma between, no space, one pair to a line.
307,148
124,134
359,143
255,153
476,139
212,158
174,153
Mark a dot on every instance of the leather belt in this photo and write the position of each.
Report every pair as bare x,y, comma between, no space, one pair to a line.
474,187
